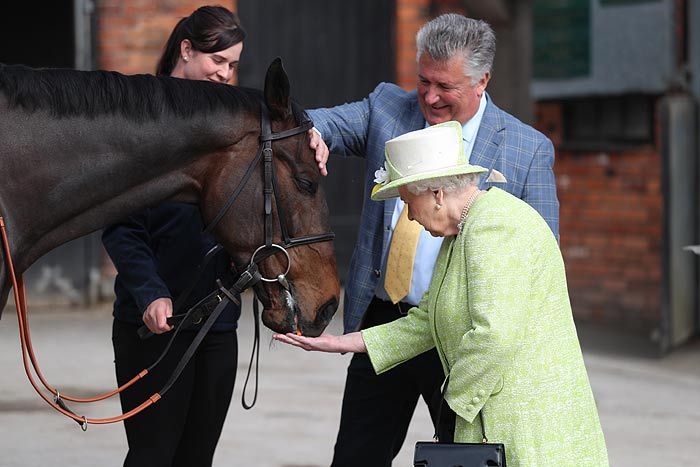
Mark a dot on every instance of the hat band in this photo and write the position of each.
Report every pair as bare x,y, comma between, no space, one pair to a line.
420,170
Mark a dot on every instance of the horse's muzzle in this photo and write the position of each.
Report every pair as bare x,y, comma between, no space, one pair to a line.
323,317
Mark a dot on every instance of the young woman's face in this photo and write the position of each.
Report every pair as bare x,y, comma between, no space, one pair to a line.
219,67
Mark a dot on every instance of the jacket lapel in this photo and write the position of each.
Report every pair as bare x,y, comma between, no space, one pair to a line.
488,139
410,120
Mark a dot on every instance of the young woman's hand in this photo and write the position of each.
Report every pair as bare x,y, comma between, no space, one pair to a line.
156,315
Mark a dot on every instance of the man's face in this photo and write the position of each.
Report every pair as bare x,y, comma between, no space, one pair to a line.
445,93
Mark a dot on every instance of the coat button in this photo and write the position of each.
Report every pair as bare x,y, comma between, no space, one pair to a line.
481,393
475,400
470,407
377,272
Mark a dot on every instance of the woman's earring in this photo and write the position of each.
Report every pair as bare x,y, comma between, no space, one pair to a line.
185,58
438,206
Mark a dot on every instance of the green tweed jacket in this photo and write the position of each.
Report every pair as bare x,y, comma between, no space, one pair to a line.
498,312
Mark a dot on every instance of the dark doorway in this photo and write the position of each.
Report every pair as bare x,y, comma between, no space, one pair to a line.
38,35
334,52
43,35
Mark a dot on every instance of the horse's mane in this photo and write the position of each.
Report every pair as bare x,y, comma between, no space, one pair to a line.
66,93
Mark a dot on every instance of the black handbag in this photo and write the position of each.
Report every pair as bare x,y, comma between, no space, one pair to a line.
440,454
429,454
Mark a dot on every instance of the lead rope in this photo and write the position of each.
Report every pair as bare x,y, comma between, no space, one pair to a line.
255,353
20,305
57,396
249,277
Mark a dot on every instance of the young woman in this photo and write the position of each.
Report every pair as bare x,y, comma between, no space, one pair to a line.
156,253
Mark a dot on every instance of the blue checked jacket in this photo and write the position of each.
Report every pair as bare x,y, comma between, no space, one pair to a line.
521,153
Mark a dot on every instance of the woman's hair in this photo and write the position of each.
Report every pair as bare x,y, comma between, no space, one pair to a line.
450,183
451,34
209,29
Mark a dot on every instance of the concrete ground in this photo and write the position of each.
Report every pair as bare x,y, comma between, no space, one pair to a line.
649,407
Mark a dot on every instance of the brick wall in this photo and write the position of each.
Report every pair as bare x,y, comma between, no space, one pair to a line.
611,228
131,33
410,16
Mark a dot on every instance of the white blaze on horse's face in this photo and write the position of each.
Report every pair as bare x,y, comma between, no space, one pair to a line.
219,67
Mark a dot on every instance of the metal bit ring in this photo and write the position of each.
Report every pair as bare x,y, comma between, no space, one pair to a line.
283,250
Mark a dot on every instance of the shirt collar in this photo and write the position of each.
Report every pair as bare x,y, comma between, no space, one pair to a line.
470,128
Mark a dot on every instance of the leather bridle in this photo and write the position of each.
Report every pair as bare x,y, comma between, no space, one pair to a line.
247,278
269,189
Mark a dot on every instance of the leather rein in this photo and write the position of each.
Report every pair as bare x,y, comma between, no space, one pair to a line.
246,279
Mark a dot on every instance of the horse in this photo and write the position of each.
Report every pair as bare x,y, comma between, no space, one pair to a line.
82,149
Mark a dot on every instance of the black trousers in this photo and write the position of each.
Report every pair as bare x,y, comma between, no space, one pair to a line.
377,409
183,428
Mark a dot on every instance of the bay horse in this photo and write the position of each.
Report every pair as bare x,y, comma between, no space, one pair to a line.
80,150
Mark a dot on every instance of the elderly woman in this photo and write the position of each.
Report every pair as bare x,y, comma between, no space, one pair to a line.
497,311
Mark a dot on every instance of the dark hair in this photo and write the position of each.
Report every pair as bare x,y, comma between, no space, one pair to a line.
208,28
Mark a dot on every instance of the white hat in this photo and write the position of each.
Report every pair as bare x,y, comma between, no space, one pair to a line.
424,154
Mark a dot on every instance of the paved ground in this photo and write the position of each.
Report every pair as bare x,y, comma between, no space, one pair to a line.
649,407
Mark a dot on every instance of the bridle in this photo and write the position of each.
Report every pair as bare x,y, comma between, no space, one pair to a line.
267,136
247,278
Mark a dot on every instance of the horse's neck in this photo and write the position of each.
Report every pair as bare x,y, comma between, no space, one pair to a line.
99,171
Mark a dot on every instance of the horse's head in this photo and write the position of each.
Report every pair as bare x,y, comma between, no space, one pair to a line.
296,244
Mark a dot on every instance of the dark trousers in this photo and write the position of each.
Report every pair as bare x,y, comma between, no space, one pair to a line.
377,409
183,428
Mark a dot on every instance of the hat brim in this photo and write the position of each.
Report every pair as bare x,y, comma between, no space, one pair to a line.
383,191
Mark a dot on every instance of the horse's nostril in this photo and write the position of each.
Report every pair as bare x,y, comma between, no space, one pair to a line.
327,311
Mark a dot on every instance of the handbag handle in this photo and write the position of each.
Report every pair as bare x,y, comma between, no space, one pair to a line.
484,439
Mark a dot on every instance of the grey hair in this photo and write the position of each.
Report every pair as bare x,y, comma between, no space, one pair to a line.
450,34
449,183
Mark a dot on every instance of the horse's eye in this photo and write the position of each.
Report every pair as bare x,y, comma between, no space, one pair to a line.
306,185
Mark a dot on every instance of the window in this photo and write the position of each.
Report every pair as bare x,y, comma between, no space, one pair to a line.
603,122
561,38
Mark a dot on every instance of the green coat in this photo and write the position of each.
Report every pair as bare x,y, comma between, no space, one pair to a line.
498,312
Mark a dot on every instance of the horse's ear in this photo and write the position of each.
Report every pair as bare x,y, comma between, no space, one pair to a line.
277,91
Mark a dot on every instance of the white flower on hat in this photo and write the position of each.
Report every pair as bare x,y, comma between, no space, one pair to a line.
381,175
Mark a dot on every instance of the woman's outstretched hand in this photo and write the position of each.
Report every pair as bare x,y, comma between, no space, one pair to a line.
325,342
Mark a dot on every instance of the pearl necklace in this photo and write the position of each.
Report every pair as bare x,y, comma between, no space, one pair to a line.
465,210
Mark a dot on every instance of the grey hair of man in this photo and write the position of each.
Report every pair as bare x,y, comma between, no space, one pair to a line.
450,34
447,184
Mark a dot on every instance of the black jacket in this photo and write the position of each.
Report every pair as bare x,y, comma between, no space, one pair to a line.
156,253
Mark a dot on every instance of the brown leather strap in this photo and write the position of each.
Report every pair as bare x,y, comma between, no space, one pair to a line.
28,357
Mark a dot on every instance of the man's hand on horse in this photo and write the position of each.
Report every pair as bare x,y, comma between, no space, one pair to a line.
319,146
156,315
325,342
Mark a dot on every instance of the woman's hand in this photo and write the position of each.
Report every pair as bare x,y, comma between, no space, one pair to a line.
156,315
325,342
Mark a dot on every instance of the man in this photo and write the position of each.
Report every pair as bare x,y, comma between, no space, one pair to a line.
455,55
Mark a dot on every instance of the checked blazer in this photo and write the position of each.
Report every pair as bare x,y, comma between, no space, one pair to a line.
521,153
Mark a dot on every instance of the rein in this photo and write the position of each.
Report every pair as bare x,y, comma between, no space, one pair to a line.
248,278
